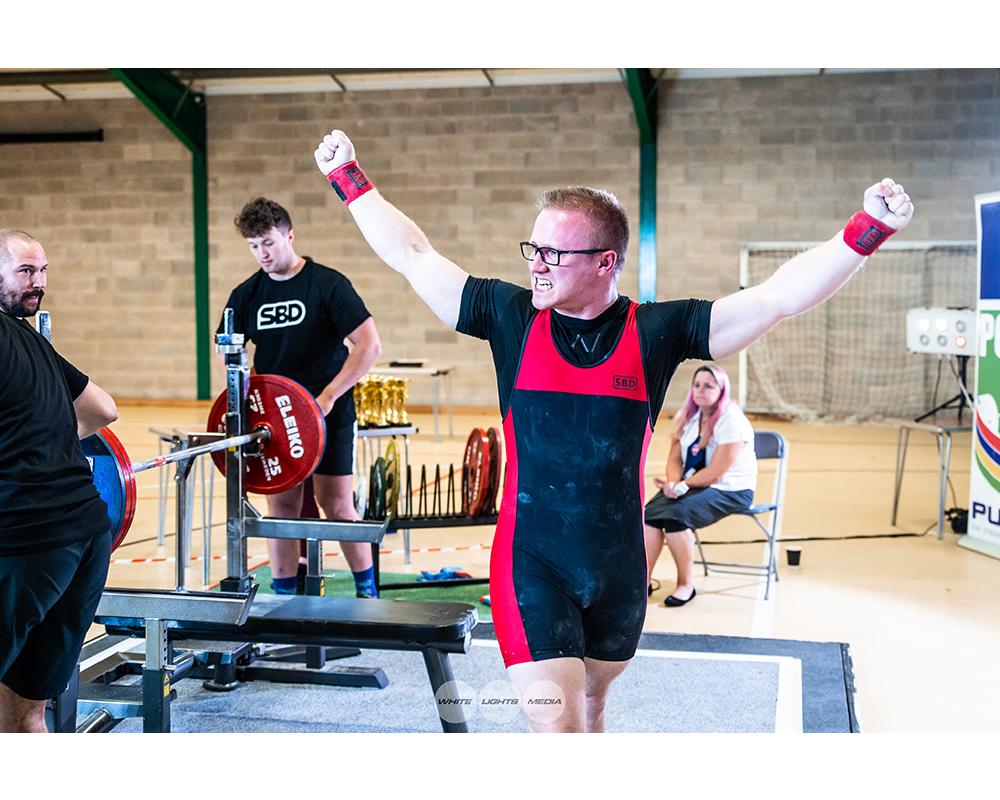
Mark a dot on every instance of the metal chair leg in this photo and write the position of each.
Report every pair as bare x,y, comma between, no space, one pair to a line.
701,553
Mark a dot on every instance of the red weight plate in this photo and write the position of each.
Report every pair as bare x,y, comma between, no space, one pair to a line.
297,428
131,493
494,484
475,472
466,462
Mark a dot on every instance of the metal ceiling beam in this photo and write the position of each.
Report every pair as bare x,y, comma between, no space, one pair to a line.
49,137
197,74
55,77
642,89
183,113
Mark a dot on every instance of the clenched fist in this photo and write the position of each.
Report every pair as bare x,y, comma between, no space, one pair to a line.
334,151
887,202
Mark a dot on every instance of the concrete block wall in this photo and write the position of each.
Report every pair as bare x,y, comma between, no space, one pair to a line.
739,159
115,220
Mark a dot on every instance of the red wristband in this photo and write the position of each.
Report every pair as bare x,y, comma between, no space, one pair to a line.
349,182
864,234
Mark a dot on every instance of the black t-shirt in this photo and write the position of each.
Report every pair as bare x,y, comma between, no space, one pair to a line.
298,325
669,333
47,494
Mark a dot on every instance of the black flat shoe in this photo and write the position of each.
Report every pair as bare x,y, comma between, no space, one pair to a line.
673,602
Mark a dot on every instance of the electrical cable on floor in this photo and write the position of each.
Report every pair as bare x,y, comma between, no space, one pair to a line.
961,384
954,498
900,535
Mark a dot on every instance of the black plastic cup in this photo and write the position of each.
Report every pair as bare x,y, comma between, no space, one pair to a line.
794,556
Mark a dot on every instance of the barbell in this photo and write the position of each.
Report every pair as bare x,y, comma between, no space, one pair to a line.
282,416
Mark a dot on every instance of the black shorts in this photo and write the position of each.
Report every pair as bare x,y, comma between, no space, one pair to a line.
338,457
47,604
698,509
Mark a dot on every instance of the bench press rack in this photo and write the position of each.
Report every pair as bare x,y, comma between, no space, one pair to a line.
217,635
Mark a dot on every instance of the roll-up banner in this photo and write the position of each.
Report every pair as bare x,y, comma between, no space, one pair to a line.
984,480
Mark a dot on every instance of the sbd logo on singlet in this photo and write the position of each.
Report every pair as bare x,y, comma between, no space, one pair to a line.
280,315
625,383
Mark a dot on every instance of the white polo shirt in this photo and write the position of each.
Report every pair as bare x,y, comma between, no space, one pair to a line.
732,426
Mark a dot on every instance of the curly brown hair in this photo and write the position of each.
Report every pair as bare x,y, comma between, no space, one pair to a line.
258,216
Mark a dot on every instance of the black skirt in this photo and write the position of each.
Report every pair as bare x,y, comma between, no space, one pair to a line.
698,508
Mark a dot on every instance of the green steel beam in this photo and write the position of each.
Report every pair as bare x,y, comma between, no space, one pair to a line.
183,113
642,89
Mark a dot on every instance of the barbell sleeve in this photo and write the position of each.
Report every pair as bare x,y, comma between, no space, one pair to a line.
193,452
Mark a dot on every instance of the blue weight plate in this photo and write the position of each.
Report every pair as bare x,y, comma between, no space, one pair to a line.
108,478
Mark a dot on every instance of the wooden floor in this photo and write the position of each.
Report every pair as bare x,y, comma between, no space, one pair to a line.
920,615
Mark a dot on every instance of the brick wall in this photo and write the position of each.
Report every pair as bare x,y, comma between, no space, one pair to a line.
741,159
115,220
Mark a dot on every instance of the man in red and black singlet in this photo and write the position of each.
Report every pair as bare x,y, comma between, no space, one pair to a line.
575,399
582,373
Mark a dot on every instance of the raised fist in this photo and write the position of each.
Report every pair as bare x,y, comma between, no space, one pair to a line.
334,151
889,204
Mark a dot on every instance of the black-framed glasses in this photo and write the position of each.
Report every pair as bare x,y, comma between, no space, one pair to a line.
551,256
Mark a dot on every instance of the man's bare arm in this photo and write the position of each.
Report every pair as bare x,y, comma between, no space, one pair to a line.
803,282
366,347
397,240
94,408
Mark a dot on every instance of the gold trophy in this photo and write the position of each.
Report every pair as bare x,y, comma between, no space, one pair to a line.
380,401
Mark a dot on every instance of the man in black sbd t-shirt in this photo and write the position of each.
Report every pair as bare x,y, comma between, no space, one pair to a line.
298,314
582,372
55,537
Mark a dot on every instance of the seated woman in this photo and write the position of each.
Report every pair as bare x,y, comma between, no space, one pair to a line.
711,473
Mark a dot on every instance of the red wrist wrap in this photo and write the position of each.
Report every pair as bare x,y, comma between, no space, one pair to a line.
864,234
349,182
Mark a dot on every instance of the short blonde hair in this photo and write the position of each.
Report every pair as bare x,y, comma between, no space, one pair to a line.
602,207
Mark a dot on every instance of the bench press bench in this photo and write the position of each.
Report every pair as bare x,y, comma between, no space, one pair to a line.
173,643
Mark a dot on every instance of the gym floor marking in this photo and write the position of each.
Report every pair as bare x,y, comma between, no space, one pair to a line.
172,559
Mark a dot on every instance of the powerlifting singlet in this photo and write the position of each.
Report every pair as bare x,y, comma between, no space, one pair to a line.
568,566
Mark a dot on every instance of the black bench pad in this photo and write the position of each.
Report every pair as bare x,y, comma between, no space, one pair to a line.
379,624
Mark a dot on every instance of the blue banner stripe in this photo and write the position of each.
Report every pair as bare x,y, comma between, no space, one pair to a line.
989,265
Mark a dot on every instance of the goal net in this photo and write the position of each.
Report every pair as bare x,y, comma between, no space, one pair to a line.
847,359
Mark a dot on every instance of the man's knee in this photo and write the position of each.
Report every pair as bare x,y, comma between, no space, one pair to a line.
597,691
339,507
286,504
600,676
341,510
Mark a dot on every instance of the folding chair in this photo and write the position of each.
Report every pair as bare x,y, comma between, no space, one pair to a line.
767,445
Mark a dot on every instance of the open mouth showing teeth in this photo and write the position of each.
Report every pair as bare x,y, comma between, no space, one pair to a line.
541,283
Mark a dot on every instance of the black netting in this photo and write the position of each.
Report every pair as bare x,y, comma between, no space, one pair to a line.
848,358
